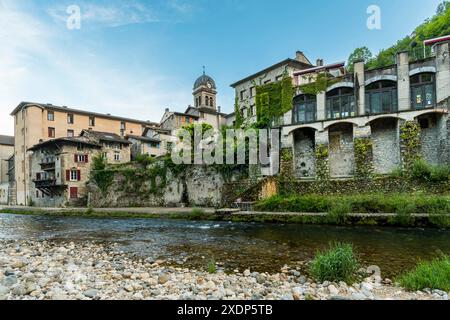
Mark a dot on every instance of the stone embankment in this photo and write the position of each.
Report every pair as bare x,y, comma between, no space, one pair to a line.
60,271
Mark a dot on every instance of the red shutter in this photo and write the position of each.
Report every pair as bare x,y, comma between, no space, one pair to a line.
87,158
67,175
76,158
79,175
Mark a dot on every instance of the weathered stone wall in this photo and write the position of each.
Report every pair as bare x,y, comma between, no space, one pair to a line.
386,148
196,186
304,153
341,159
429,140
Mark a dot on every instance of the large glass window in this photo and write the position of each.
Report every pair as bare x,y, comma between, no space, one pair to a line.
381,97
423,92
341,103
304,109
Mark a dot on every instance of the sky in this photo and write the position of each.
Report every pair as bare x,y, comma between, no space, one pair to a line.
135,58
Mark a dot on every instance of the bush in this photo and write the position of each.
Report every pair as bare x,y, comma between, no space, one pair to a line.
144,159
422,171
433,275
197,214
336,264
339,212
440,217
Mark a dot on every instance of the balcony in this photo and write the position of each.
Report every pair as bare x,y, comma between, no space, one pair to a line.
48,166
49,186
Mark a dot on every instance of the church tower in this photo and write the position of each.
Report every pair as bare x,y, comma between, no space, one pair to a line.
205,93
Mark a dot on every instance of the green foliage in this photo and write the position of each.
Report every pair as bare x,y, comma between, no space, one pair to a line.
440,218
437,26
320,85
336,264
211,266
363,203
338,213
322,165
362,53
422,171
31,202
100,175
363,150
433,275
273,100
237,111
410,144
404,214
144,159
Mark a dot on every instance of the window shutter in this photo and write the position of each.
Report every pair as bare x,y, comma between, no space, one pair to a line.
87,158
79,175
67,175
38,176
76,158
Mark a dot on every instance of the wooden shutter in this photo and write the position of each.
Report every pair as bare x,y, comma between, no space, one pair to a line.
67,175
76,158
79,175
87,158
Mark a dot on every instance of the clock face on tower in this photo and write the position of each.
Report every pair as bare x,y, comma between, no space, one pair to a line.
209,85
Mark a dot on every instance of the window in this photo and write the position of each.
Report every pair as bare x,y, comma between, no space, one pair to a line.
252,92
50,116
51,132
196,102
253,110
267,81
91,121
279,78
70,133
243,95
74,175
381,97
187,119
305,107
70,118
116,156
423,93
341,103
123,126
207,101
81,158
211,102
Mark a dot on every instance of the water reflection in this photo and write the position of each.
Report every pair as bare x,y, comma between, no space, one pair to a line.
261,247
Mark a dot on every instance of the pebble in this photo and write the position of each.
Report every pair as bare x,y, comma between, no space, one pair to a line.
56,271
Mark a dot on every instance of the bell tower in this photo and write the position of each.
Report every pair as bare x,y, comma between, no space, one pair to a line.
205,92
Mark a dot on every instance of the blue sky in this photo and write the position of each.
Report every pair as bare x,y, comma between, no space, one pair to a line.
135,58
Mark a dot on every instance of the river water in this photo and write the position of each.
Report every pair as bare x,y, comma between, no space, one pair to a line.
258,246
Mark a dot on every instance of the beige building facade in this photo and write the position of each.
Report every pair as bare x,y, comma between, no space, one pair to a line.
35,123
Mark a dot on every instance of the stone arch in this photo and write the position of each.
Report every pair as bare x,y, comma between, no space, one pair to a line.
415,71
433,136
346,84
353,122
381,78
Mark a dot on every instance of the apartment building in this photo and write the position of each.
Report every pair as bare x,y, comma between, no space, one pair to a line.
36,123
246,88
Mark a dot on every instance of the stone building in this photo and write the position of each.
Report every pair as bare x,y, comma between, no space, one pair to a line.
246,88
61,167
374,106
6,151
36,122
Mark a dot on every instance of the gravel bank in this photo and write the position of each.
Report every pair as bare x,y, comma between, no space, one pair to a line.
68,271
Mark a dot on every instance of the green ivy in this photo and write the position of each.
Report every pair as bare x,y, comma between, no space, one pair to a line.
323,81
410,145
322,165
237,111
363,149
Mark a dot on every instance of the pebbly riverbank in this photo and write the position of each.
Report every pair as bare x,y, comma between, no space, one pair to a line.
31,270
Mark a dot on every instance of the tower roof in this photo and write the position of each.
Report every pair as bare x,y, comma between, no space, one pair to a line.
203,80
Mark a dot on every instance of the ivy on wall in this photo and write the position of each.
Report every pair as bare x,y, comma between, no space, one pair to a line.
323,81
410,144
273,100
322,164
363,149
237,111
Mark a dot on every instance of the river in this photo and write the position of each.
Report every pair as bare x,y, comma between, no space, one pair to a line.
258,246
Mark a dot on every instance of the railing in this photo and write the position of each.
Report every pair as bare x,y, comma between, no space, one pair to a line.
45,183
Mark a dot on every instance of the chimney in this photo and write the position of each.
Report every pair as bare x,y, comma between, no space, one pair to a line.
167,110
300,56
319,62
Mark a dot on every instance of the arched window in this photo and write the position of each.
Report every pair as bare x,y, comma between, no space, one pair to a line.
211,102
381,97
305,107
341,103
207,101
196,102
200,101
423,92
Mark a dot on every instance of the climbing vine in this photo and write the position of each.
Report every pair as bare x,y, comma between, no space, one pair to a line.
323,81
237,111
273,100
363,149
410,145
322,164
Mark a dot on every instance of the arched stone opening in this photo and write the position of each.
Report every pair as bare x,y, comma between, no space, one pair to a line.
433,137
386,144
304,153
341,154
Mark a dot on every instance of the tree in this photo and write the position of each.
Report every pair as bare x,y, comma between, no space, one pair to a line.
362,53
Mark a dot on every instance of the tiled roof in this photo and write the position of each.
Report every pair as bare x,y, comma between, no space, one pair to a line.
6,140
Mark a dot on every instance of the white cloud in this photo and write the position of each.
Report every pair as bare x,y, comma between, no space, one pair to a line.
35,65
